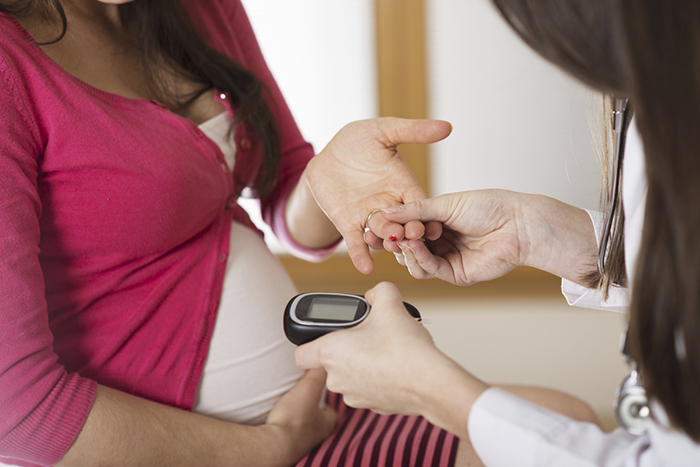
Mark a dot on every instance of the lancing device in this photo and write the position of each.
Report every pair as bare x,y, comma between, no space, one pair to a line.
311,315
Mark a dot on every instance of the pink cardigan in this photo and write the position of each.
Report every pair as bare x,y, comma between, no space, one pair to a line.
114,232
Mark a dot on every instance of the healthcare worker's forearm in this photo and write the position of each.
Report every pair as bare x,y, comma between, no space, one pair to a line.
559,238
308,225
447,395
122,429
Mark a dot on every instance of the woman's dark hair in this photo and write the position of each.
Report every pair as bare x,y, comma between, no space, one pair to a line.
649,51
664,59
171,46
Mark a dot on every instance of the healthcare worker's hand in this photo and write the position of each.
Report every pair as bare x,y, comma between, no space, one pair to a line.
298,420
487,233
361,170
388,363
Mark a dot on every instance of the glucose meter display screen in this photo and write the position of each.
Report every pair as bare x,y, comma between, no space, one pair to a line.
330,308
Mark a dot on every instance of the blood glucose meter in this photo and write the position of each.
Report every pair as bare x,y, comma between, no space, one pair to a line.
311,315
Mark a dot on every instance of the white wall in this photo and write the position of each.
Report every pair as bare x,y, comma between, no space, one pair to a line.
519,123
322,55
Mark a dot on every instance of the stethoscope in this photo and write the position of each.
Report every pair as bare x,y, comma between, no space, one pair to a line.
631,405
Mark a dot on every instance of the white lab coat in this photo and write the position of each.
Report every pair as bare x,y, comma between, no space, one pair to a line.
510,432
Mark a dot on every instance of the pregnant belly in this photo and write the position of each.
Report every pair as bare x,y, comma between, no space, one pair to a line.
250,362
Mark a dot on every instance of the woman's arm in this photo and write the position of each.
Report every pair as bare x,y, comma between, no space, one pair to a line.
308,225
122,429
487,233
559,237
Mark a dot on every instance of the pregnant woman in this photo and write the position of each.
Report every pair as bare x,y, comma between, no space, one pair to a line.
140,312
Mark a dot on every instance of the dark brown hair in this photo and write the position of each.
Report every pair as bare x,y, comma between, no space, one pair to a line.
170,44
664,58
649,51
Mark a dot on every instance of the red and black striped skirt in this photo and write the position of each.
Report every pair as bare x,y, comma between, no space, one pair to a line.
366,439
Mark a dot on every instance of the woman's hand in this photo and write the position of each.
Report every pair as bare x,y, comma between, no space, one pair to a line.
301,422
360,170
302,425
388,363
487,233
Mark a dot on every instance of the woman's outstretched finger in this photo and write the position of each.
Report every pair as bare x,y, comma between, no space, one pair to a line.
373,241
387,230
392,247
359,252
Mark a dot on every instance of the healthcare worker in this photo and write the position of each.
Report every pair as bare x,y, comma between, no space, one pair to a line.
647,54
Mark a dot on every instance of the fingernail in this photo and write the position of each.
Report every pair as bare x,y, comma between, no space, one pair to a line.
392,210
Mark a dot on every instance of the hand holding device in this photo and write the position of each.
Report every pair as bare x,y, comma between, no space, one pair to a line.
390,364
311,315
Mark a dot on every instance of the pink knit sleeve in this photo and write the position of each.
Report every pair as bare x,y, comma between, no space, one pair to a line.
296,152
42,407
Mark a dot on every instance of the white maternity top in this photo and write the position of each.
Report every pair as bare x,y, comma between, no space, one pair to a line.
250,362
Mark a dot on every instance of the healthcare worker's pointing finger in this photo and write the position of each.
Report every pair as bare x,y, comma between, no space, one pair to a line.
440,209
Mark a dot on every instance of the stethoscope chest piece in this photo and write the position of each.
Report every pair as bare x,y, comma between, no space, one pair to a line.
631,405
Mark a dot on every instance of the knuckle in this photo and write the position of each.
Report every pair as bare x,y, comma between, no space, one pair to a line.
385,285
333,385
351,401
